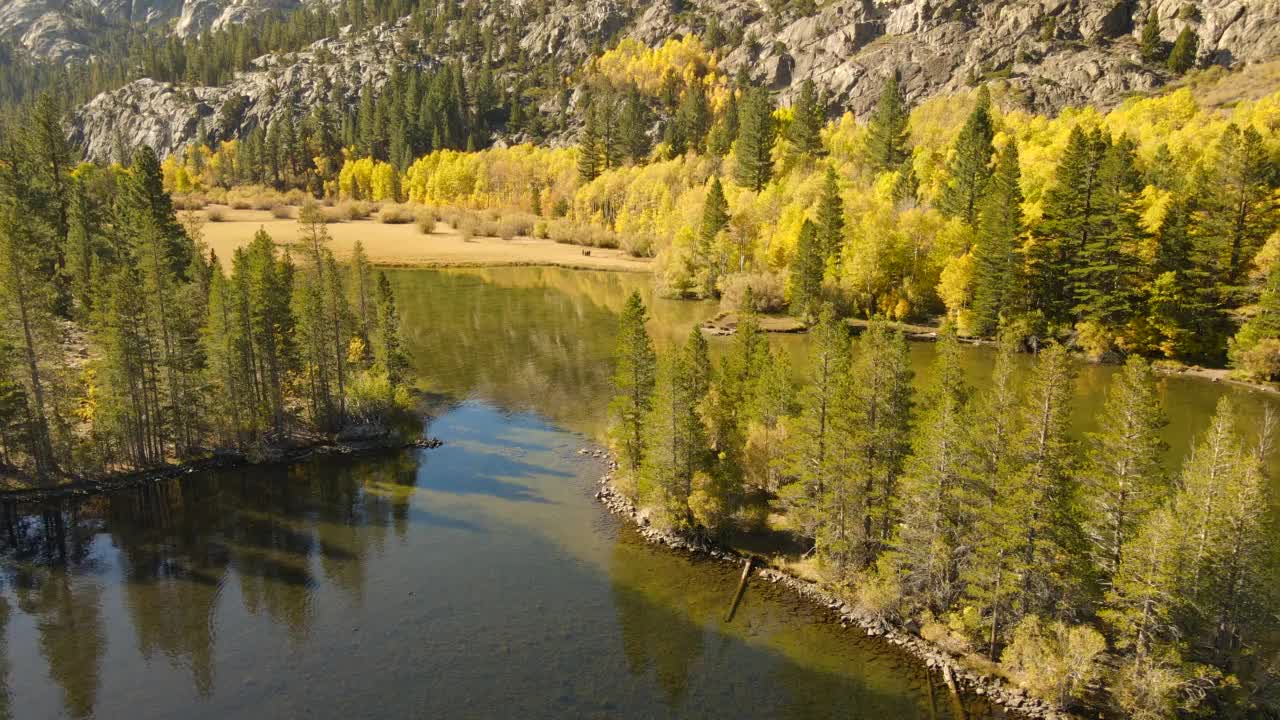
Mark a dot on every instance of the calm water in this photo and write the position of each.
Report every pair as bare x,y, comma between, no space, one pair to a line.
479,579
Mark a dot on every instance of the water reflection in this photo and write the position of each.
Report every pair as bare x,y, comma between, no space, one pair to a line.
475,580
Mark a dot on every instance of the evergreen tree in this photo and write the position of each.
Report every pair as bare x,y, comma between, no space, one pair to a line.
756,133
995,253
634,126
692,120
887,141
362,299
1256,345
1183,56
633,382
1123,479
590,153
389,353
1105,276
678,453
725,128
1239,209
879,429
830,225
1069,223
715,217
804,132
929,544
969,169
807,266
813,462
1152,47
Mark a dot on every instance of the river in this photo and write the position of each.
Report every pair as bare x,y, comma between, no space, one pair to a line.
476,580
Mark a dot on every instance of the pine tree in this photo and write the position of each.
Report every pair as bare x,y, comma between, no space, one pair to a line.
1183,56
1152,47
807,265
1239,209
1123,479
362,300
715,217
1183,300
693,119
590,154
756,133
887,141
830,226
879,429
678,451
1105,277
633,383
1249,348
1023,562
812,462
725,129
1070,221
995,252
804,132
1043,493
936,523
994,422
389,353
969,169
634,126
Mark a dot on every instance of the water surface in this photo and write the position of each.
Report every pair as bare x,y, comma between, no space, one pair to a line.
478,580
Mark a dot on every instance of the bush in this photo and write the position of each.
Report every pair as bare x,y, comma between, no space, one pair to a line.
426,220
372,399
1262,361
540,229
282,212
638,244
395,215
296,197
1056,662
354,210
216,214
568,232
768,291
240,203
466,228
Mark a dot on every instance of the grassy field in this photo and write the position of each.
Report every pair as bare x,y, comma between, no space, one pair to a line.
404,245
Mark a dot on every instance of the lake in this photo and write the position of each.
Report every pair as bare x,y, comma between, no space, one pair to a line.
480,579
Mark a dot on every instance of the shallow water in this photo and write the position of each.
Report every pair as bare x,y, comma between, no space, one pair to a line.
478,580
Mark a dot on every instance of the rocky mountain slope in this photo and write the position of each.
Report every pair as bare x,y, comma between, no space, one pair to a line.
1051,54
64,30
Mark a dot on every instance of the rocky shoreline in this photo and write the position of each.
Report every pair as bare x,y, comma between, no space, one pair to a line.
959,677
219,461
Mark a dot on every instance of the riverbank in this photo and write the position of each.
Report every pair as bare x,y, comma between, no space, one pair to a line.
955,673
299,452
404,245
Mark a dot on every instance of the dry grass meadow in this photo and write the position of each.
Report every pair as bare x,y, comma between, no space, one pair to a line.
404,245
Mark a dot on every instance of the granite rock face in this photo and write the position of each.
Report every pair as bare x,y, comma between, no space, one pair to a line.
1049,53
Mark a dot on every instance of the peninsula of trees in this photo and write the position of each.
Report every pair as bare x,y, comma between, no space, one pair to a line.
1089,572
124,344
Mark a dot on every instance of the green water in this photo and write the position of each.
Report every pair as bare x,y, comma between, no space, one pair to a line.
476,580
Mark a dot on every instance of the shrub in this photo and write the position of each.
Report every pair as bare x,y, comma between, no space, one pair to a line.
637,244
466,228
216,214
296,197
240,203
1262,361
354,210
372,399
425,219
540,229
1054,661
768,291
282,212
395,215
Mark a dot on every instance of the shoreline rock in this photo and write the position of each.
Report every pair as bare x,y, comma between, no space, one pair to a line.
1011,699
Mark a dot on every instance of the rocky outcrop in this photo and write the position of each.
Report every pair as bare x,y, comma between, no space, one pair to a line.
166,116
1048,54
957,674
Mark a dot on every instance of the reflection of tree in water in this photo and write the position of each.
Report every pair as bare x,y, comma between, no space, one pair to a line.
655,635
526,338
5,695
68,617
173,570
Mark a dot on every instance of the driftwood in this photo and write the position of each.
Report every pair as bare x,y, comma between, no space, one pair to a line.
742,587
